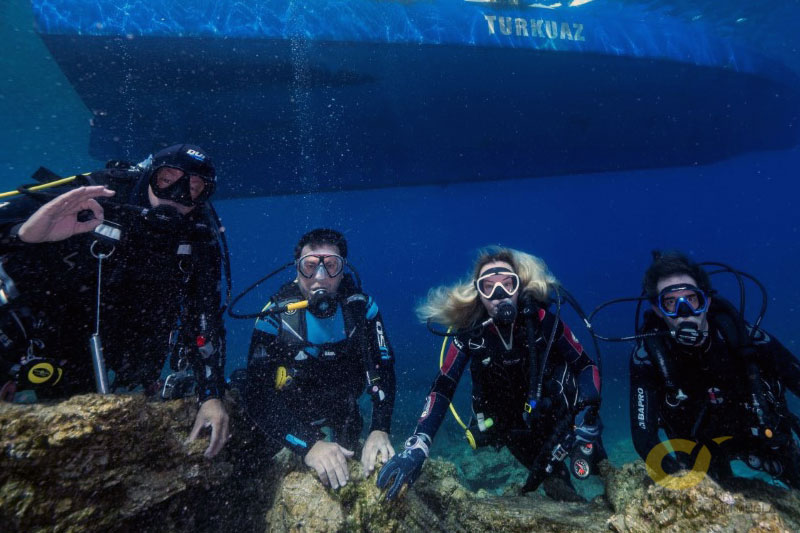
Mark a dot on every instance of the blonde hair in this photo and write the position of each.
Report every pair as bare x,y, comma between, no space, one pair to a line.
459,306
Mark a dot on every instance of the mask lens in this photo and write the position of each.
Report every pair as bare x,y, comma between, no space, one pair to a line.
333,265
668,304
197,185
308,265
167,176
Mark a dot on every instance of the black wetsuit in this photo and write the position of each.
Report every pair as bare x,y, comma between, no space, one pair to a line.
160,273
715,400
330,362
501,384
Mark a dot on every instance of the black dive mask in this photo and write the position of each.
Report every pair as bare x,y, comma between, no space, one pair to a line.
192,161
505,313
322,304
180,191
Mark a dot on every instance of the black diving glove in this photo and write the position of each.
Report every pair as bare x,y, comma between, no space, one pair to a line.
405,467
39,372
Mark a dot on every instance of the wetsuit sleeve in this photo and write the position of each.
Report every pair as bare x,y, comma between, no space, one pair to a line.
442,391
381,376
264,404
580,364
644,394
205,325
12,216
781,363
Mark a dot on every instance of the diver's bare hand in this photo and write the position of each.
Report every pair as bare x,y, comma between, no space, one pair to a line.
330,462
377,442
212,414
58,219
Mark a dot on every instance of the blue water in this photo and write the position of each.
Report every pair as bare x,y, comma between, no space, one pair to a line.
595,231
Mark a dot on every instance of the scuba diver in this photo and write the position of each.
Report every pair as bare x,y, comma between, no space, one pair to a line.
97,279
702,373
534,388
317,345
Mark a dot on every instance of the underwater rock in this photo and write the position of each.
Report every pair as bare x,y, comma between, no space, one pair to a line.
119,463
437,503
750,505
113,463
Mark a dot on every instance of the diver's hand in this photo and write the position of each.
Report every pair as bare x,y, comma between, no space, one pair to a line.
58,219
377,442
212,413
587,426
330,461
404,468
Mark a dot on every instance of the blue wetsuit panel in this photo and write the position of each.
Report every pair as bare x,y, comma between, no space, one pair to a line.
325,330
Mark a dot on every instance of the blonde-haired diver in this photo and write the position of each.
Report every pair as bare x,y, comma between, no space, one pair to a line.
459,306
534,388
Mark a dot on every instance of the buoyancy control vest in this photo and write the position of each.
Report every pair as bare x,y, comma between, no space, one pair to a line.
724,319
353,355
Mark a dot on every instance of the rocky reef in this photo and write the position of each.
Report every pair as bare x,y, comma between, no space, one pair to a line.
119,463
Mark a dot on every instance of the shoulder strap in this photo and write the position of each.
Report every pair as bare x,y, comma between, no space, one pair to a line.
354,309
656,350
293,320
733,328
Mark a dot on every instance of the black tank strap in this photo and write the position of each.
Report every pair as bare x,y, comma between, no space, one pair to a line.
354,309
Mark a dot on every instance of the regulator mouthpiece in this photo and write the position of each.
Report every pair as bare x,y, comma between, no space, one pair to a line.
322,304
688,333
505,313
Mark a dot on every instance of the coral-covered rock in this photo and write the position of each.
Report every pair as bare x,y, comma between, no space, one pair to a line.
641,505
111,463
119,463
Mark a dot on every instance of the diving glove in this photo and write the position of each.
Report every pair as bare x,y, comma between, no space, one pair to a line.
37,372
405,467
587,426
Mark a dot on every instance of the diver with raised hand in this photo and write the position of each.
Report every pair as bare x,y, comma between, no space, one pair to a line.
317,346
702,373
110,273
535,390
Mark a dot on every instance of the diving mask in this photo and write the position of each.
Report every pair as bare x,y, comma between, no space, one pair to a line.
175,185
682,300
308,266
497,283
192,162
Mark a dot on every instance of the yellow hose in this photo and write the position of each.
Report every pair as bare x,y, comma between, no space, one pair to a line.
55,183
